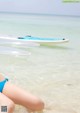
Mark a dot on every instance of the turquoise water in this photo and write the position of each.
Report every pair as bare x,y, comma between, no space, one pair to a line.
51,72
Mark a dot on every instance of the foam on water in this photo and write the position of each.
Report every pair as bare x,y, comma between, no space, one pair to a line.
13,51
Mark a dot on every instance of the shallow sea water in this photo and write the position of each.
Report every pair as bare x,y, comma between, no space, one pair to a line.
50,72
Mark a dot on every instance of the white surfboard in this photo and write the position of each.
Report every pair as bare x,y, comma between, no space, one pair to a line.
37,40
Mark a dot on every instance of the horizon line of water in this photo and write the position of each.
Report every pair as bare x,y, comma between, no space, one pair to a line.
38,14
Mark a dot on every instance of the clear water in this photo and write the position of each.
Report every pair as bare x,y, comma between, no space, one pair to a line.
51,72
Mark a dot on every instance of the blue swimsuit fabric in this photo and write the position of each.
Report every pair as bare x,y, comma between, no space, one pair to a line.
2,83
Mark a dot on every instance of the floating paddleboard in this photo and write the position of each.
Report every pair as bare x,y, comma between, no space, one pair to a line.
39,40
43,40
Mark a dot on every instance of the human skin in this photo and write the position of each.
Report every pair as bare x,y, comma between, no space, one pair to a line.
19,96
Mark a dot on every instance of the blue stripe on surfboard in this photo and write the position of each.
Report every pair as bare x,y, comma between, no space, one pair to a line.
40,39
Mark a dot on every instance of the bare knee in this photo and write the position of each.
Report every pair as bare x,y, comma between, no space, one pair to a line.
10,107
38,105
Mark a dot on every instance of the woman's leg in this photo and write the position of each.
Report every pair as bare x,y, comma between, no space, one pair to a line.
22,97
6,105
